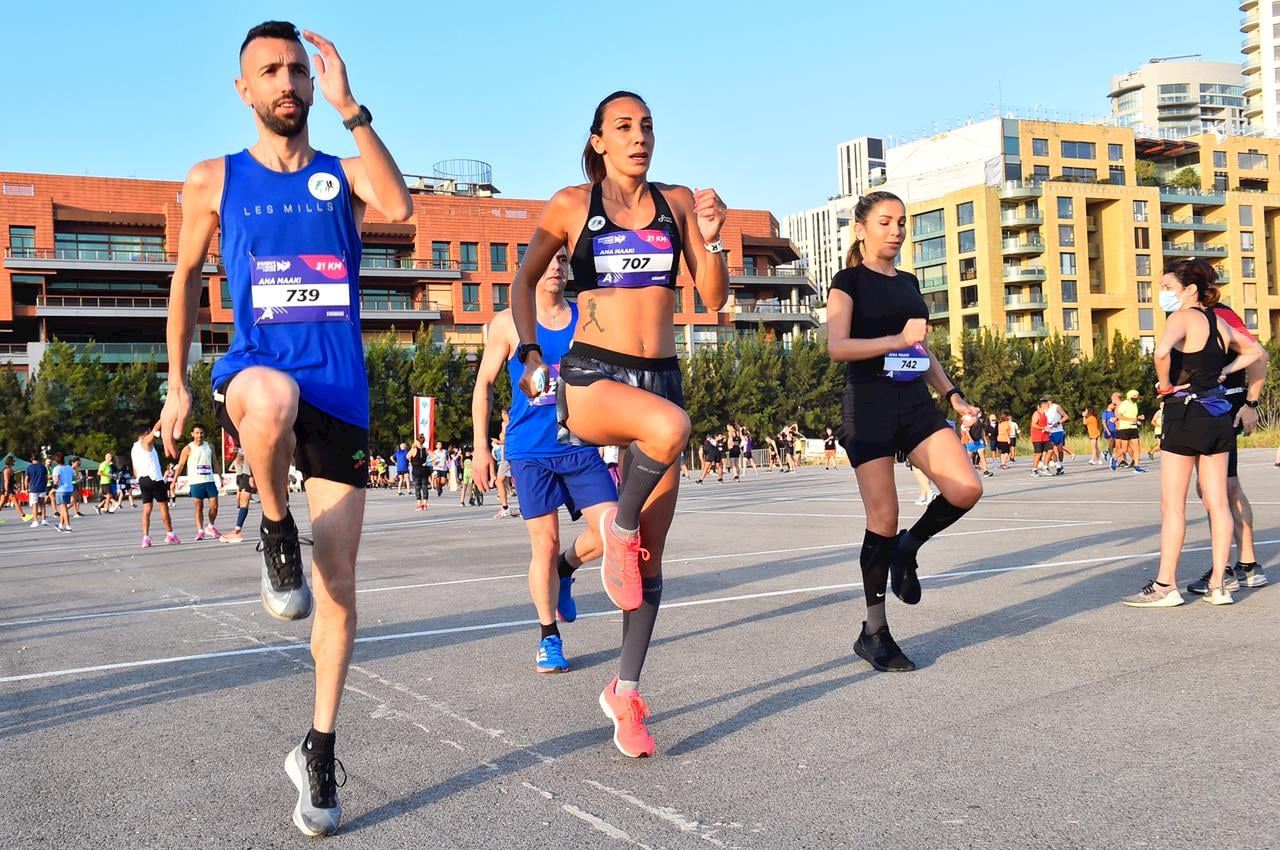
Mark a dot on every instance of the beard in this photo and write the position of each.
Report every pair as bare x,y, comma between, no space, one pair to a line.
281,126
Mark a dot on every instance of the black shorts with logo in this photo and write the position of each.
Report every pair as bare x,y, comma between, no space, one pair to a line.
326,448
586,364
883,418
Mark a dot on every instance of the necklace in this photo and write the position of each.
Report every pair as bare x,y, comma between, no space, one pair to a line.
555,315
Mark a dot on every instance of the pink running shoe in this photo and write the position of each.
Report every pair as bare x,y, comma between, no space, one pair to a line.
620,564
146,541
172,539
212,531
628,712
199,534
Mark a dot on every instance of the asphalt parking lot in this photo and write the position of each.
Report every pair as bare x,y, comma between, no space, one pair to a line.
146,699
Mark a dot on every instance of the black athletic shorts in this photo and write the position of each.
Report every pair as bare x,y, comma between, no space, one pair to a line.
883,417
1002,448
242,483
1041,446
586,364
1190,430
326,448
1128,433
152,490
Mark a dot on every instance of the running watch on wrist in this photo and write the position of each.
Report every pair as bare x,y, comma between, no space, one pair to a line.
715,247
524,349
364,116
1253,402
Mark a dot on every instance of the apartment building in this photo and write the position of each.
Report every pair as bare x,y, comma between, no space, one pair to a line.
1261,66
91,258
1174,99
1073,223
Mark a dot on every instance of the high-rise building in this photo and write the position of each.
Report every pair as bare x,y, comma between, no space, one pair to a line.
861,165
91,258
820,237
1173,99
1261,49
1072,224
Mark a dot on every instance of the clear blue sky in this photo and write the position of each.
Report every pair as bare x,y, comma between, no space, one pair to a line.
748,97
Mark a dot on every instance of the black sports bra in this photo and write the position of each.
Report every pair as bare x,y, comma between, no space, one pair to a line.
608,256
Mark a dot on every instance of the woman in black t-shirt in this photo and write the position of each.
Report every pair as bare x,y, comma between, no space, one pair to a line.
877,323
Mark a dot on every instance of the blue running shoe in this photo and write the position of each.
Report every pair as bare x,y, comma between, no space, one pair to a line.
1113,464
1137,468
551,655
566,608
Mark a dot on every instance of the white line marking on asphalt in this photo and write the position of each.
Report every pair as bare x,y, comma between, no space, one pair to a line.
601,825
547,795
666,813
286,647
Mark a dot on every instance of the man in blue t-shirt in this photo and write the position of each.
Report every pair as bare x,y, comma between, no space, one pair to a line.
292,386
401,457
548,472
37,491
1109,427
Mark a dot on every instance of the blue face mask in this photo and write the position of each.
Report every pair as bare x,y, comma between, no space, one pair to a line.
1169,302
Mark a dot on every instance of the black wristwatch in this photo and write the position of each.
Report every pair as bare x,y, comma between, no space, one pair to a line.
364,116
523,350
953,391
1254,404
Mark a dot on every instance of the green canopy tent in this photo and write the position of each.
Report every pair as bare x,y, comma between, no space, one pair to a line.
18,463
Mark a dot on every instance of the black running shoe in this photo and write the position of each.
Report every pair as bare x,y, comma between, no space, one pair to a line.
902,573
882,652
284,589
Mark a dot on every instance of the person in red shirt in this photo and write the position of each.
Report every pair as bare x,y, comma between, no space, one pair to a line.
1040,439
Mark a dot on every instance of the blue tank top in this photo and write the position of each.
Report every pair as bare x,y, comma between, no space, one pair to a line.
531,432
291,247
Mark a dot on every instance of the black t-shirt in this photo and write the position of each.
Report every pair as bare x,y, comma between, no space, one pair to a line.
417,460
881,307
710,450
829,444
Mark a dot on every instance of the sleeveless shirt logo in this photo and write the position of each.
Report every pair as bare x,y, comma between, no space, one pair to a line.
596,223
323,186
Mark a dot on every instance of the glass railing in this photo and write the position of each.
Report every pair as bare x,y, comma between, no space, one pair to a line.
99,255
114,302
1023,245
385,305
1194,248
1023,271
764,271
1033,302
776,307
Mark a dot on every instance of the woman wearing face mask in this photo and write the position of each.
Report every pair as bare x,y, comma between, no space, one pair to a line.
877,322
1193,359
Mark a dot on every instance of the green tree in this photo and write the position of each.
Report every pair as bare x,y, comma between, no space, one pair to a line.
390,398
1186,178
15,431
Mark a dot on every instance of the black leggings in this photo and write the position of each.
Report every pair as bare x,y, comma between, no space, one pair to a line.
421,487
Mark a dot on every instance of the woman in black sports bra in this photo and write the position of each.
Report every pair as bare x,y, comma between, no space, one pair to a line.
620,382
1193,359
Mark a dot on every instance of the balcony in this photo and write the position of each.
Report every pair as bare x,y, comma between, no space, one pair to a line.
1250,21
933,284
1251,43
102,306
1019,190
1192,249
14,353
1091,222
926,231
1252,86
1024,274
125,352
1015,303
1022,247
1195,197
1254,108
1223,276
398,310
761,276
923,259
1195,222
409,268
91,259
1016,218
938,311
788,312
1026,330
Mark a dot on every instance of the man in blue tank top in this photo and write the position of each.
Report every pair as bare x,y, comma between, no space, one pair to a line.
293,384
548,473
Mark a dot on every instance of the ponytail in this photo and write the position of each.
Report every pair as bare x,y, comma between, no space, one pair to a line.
1211,297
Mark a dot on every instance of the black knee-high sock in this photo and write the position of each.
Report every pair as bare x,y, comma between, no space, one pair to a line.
642,476
874,560
940,515
637,630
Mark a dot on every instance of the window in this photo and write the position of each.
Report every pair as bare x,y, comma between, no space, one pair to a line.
1065,208
1252,160
969,243
749,266
1251,319
501,296
225,286
1040,173
1144,265
1146,319
679,290
471,297
971,323
1248,266
1039,147
1011,147
384,257
933,277
1246,216
698,306
1078,150
923,224
123,247
1067,263
1140,211
969,268
1116,175
968,297
440,255
1219,159
22,241
1148,344
1069,292
1246,240
468,258
930,251
1066,235
1070,319
1115,153
1142,238
964,213
498,257
1080,175
1220,181
1144,292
